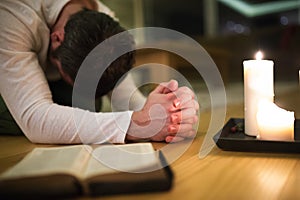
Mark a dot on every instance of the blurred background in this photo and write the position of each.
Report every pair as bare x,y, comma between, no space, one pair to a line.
230,31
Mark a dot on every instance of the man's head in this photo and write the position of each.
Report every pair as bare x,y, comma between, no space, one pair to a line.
83,31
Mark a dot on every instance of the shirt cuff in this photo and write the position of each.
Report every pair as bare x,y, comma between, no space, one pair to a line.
123,124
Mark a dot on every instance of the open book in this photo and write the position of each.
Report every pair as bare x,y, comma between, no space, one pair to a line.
83,170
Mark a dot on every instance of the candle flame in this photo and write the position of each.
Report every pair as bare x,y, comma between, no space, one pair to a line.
259,55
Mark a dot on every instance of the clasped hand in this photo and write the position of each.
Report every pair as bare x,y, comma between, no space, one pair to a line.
169,115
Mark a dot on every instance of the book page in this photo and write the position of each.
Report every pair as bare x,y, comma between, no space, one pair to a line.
135,158
44,161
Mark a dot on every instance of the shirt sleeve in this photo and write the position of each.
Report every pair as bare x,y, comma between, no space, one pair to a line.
27,96
127,96
101,7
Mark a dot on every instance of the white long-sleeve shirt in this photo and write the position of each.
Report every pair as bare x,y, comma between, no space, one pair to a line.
24,42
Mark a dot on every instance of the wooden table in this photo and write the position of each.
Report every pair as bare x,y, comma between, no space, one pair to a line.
220,175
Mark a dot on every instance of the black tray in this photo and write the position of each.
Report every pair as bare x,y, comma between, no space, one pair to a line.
239,141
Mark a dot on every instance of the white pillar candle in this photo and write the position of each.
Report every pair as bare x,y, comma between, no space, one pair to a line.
258,85
274,123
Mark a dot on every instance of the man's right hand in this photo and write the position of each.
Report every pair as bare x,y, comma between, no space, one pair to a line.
168,115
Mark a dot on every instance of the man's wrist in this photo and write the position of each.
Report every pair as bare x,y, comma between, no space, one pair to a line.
135,130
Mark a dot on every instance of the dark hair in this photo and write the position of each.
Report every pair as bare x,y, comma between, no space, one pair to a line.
83,32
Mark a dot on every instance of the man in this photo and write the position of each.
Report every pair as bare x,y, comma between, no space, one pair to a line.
26,29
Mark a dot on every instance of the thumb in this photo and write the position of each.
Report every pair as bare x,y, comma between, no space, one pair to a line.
166,87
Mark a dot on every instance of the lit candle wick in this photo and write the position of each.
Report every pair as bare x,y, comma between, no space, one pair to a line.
259,55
